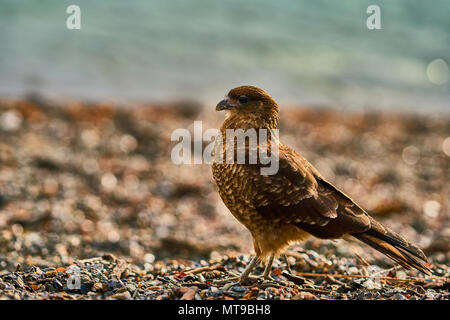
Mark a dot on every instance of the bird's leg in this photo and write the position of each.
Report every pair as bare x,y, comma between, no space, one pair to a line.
287,263
245,274
266,274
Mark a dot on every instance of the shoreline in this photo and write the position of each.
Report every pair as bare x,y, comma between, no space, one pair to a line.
205,105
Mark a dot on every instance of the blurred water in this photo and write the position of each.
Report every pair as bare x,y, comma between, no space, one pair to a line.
308,52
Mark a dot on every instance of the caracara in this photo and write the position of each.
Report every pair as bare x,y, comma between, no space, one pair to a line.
295,202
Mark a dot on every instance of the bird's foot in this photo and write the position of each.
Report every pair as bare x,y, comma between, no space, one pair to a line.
248,280
268,278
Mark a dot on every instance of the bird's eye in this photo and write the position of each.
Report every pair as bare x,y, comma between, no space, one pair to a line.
243,99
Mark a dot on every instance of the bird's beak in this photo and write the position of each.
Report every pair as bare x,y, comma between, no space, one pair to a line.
224,105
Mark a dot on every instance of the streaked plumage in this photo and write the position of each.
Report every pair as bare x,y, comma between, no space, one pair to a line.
297,201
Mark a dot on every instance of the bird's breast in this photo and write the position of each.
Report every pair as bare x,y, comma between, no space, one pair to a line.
235,189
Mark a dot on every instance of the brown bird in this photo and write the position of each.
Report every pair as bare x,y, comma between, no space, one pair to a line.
297,201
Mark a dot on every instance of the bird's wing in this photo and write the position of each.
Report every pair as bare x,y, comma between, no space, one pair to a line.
299,195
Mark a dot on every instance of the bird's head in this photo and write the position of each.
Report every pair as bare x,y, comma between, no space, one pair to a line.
249,107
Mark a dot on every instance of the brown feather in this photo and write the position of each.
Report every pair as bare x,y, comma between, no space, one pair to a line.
297,201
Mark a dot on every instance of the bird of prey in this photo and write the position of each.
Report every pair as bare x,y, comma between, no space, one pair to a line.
296,202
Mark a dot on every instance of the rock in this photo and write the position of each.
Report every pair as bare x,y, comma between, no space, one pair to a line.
190,293
131,287
214,289
353,270
399,296
305,296
227,286
238,289
98,287
10,120
121,296
57,284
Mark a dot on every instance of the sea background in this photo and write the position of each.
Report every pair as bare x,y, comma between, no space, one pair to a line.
316,53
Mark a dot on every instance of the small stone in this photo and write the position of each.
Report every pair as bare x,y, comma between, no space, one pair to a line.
227,286
149,258
98,287
201,278
10,121
371,285
431,208
305,296
128,143
233,294
214,289
109,181
121,295
131,287
238,289
399,296
57,284
83,288
190,293
353,270
215,255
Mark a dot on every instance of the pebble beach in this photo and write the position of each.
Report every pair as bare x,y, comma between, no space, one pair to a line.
91,187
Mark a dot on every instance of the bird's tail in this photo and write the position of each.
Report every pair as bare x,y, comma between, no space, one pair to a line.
394,246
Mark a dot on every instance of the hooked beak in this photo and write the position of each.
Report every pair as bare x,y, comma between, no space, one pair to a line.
224,105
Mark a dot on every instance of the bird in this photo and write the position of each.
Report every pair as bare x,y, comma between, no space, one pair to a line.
297,201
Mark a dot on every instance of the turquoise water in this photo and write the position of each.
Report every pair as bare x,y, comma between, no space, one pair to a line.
303,52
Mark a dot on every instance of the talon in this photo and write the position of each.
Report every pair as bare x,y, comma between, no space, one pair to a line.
247,280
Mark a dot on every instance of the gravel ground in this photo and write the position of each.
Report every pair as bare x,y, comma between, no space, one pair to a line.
88,192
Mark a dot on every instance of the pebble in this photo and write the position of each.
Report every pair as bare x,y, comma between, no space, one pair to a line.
131,287
98,287
398,296
238,289
227,286
214,289
353,270
121,296
10,120
57,284
190,293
